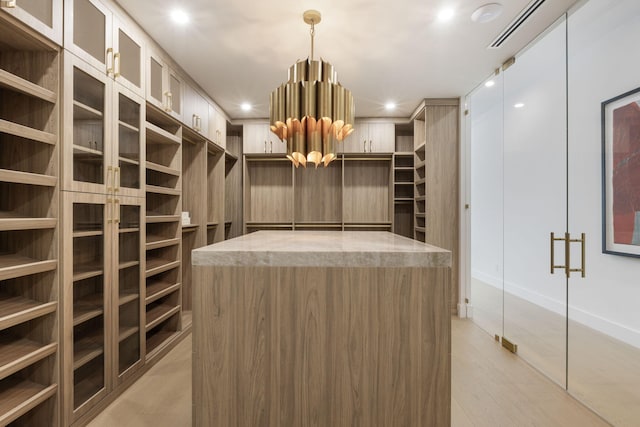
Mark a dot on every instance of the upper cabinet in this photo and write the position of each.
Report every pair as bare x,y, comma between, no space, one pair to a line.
371,137
44,16
165,87
107,42
103,133
217,127
196,111
258,138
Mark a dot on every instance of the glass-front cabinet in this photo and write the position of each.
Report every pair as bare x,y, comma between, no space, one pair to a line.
102,296
104,136
111,44
44,16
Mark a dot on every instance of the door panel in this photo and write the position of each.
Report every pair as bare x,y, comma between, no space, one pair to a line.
535,202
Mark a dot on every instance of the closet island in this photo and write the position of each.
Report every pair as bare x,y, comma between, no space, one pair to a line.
321,328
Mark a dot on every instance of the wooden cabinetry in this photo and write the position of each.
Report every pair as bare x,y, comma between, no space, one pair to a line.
217,127
403,189
436,142
29,229
165,87
163,232
196,111
371,137
103,133
44,16
258,138
102,279
107,41
233,184
368,193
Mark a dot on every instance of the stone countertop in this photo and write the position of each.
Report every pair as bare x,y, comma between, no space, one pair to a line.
322,249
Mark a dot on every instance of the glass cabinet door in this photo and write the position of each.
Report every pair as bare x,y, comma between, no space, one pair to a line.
86,278
128,147
89,102
127,294
128,56
44,16
88,33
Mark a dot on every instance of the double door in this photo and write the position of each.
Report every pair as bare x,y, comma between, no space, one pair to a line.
543,277
103,274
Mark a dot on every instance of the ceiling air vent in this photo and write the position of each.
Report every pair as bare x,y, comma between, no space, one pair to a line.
515,24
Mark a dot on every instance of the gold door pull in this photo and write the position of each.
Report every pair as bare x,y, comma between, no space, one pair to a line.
9,4
110,61
567,254
116,68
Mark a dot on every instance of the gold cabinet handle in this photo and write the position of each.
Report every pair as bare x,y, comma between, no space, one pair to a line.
116,64
116,180
9,4
194,121
110,179
116,207
169,105
364,145
270,146
109,211
109,61
370,146
265,146
567,254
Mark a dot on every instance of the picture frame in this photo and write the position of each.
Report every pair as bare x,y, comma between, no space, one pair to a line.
621,174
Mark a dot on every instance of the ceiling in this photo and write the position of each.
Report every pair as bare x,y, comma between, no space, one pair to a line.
240,50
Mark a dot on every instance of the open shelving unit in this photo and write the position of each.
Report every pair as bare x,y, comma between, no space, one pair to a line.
29,202
233,183
403,184
419,207
163,234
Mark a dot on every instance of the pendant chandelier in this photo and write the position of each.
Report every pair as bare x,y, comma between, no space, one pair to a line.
312,112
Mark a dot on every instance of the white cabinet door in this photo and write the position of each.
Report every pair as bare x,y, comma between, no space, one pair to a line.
254,138
128,56
88,33
196,111
357,141
381,138
44,16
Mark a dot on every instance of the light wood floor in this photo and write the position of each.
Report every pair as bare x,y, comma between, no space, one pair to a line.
490,387
603,372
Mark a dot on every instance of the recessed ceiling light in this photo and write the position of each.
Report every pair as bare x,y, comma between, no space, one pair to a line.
445,14
486,13
390,106
245,106
490,83
179,16
518,105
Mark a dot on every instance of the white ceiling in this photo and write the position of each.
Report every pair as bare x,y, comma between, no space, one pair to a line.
240,50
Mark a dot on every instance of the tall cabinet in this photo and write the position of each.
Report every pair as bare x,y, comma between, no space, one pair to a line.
436,163
29,226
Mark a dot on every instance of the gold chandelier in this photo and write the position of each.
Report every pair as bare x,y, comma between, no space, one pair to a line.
312,111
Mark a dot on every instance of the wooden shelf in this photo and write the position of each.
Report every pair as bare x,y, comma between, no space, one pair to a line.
283,225
156,266
421,147
27,132
154,219
159,314
128,264
318,224
129,230
126,298
89,386
162,169
403,168
18,177
87,349
163,190
127,331
79,234
160,136
230,157
212,224
403,200
420,198
94,155
381,225
404,183
158,340
13,265
87,271
420,229
128,126
420,215
18,353
15,223
17,397
155,242
190,228
420,181
88,308
404,153
420,164
84,112
16,309
157,290
129,161
21,85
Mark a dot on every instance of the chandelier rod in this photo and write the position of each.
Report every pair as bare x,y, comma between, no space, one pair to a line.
313,33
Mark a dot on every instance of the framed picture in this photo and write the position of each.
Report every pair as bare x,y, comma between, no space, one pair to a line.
621,174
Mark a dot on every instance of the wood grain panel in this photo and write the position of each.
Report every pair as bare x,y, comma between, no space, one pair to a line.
318,193
367,193
320,347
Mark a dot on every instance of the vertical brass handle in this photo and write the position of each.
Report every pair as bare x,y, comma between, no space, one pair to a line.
265,146
364,146
369,145
110,178
567,254
194,121
109,208
169,106
116,207
9,4
270,146
110,61
199,122
552,240
582,241
116,179
116,64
